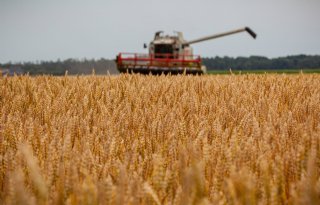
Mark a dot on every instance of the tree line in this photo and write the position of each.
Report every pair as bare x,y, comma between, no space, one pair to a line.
263,63
105,66
70,66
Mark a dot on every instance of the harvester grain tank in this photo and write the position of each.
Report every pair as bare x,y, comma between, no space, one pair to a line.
169,54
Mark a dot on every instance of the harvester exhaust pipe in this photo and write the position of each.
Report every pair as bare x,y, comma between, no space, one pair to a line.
247,29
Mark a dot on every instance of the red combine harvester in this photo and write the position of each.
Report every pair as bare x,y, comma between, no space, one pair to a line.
169,54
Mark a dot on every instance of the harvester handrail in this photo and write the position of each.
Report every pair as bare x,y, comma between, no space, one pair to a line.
159,54
168,60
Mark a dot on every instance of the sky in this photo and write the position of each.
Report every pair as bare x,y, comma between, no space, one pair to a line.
36,30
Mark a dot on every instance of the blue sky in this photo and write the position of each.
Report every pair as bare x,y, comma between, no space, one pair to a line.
47,30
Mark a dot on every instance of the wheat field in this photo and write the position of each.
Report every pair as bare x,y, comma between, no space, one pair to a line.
134,139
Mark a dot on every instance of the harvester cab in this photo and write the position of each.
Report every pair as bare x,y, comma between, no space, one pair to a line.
169,54
166,46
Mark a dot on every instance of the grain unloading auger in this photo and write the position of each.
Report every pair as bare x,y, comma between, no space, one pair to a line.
169,54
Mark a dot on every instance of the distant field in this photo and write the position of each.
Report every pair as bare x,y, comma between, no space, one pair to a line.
288,71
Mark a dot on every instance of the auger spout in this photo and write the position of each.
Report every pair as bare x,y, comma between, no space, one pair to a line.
219,35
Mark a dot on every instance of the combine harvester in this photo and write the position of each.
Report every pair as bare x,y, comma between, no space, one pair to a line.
169,54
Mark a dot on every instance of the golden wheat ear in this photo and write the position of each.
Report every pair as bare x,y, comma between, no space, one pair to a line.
143,139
